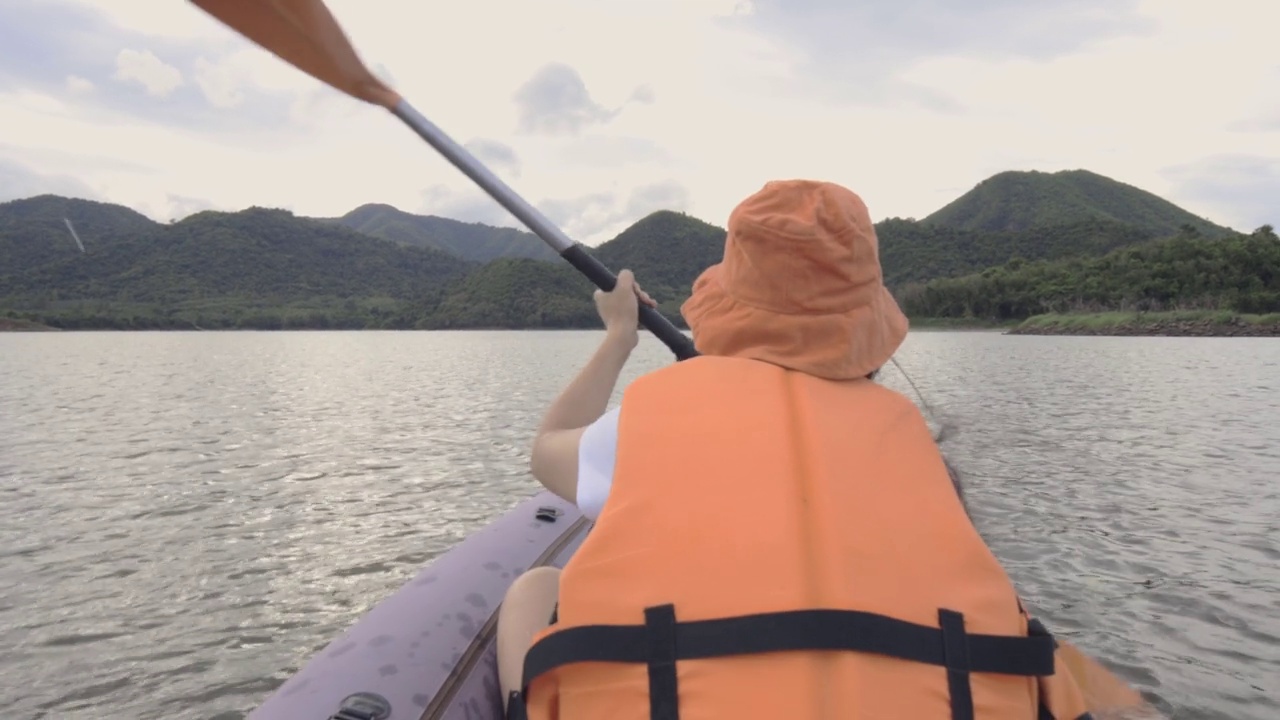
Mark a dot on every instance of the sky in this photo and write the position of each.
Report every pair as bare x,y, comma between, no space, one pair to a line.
599,112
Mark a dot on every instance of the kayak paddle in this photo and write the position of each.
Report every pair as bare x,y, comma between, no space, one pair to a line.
305,34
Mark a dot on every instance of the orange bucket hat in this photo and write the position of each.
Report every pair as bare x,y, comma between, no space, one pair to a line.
800,285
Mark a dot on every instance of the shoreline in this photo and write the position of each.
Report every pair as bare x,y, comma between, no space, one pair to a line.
1115,324
9,324
1186,323
15,325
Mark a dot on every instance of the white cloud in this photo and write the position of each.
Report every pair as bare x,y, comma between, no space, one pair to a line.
227,81
497,156
219,83
1240,186
555,101
184,21
643,95
177,207
77,85
144,68
604,214
18,180
690,91
468,204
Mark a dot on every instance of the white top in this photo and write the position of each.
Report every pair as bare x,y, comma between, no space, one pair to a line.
597,451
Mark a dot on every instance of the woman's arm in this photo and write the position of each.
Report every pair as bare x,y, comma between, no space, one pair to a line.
555,449
554,460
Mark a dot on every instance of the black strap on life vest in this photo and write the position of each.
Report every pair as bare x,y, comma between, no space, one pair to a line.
662,641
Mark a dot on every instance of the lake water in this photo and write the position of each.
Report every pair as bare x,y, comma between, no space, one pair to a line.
186,517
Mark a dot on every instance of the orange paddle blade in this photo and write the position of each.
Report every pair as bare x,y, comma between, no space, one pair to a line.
304,34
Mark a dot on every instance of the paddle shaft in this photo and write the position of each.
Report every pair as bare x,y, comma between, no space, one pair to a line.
571,251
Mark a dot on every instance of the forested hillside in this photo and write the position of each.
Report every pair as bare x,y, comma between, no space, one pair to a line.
1240,273
1017,245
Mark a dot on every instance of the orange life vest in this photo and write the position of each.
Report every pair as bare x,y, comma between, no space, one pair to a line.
780,546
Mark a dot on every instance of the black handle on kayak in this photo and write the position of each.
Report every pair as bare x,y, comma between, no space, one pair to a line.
656,323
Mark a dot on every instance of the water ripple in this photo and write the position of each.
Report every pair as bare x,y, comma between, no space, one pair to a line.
189,516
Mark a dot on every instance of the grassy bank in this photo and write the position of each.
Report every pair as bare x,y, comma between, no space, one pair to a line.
1195,323
926,323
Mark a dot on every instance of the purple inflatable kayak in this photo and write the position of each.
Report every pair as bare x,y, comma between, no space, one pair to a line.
428,651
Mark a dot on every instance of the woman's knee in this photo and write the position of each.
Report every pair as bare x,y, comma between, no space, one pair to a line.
535,584
526,611
528,605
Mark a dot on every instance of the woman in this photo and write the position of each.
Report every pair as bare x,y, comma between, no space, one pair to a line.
764,504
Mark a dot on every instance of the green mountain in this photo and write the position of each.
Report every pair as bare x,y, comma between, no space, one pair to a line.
514,293
666,250
1239,273
469,241
89,216
217,269
912,251
43,217
265,252
1021,200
